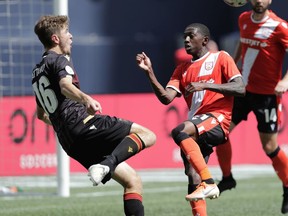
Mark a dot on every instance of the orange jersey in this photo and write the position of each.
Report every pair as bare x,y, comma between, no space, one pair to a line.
263,45
214,67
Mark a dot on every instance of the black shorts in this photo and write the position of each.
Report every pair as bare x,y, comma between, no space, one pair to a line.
265,108
210,132
97,138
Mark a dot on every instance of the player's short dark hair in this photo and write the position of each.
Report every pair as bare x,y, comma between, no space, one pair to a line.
202,29
47,26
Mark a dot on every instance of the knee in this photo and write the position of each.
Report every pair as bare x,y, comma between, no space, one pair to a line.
152,139
178,135
273,153
148,137
134,184
269,147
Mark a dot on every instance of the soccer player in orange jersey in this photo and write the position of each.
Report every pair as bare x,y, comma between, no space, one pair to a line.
208,83
263,44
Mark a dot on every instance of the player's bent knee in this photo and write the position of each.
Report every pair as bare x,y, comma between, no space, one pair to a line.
151,139
178,135
148,137
128,178
134,184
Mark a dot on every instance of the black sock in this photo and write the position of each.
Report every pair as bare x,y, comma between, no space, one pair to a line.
133,207
209,181
191,188
128,147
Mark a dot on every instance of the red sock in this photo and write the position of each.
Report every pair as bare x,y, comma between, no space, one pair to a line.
195,157
280,164
198,208
224,155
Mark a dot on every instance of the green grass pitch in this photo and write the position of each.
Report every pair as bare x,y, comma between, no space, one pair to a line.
255,196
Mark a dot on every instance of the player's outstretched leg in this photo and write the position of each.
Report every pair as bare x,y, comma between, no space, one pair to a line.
97,172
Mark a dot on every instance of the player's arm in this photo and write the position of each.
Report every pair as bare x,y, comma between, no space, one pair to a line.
164,95
234,87
72,92
42,115
282,85
237,53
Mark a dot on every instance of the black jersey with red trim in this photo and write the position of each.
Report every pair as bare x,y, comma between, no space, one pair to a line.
63,112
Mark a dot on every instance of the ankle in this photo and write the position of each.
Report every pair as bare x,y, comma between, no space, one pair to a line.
209,181
110,161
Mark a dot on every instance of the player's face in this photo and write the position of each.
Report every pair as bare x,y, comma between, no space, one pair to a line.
193,41
260,6
65,43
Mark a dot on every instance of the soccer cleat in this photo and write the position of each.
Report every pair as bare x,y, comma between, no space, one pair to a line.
203,191
227,183
284,208
97,173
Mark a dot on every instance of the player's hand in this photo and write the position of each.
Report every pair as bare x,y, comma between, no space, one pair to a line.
193,87
281,87
93,106
143,61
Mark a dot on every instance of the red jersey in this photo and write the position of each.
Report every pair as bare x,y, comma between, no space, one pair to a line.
213,67
263,46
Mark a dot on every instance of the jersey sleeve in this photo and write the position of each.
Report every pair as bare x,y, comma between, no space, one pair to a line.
175,80
241,17
282,34
229,68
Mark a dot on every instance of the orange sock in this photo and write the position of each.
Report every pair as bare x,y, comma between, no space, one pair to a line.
280,164
224,155
198,208
195,157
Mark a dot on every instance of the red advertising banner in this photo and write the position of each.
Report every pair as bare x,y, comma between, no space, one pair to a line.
28,146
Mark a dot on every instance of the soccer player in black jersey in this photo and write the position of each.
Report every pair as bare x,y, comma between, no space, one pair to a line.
101,143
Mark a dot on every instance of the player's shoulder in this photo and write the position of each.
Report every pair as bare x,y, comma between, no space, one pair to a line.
56,60
224,57
282,23
50,57
275,16
54,57
245,15
224,53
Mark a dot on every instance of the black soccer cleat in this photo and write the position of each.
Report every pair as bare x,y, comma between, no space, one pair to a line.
284,208
227,183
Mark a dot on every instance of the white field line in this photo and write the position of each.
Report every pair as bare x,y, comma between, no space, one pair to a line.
154,175
120,192
151,175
